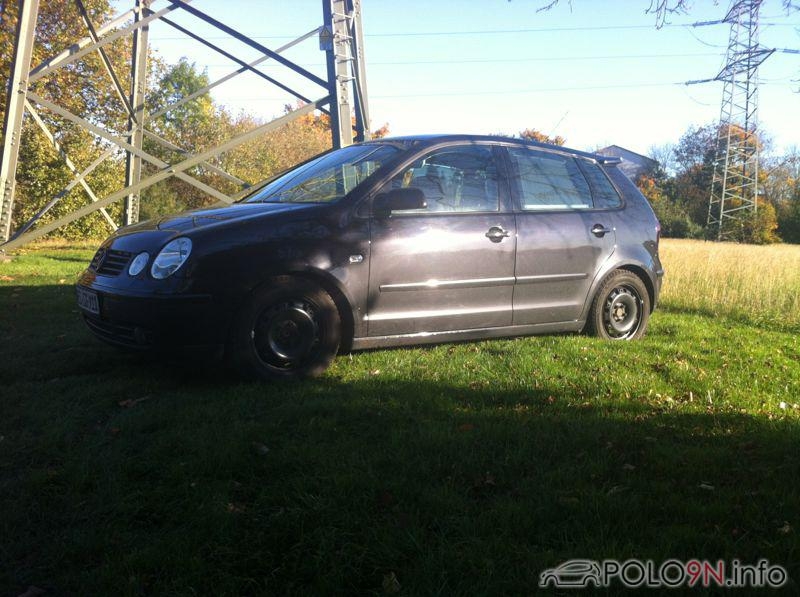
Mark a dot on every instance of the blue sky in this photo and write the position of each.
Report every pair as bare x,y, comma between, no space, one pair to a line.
596,73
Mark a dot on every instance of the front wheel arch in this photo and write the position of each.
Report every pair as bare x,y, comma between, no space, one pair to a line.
322,279
287,327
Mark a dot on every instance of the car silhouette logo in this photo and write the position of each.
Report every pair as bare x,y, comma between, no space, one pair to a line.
572,573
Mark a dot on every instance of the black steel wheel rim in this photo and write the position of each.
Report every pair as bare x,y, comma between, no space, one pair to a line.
286,335
622,312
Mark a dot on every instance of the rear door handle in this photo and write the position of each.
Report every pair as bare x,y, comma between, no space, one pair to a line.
496,234
600,231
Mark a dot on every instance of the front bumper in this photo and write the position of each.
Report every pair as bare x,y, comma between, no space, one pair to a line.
140,321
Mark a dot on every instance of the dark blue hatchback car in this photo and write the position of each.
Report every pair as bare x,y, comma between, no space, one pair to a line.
393,242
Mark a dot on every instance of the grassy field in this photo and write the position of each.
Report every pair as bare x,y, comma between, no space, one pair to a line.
756,284
454,470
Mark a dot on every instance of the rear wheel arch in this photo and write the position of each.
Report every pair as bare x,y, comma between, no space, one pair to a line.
646,280
620,306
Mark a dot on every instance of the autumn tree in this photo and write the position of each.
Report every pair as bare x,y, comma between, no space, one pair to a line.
189,127
675,221
277,150
681,198
540,137
84,89
782,189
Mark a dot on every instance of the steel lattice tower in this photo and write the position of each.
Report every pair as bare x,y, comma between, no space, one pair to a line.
344,90
734,187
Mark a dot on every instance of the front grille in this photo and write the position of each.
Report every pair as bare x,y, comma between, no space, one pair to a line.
98,257
108,262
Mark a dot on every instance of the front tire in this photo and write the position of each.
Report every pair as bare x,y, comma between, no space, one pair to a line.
621,308
289,328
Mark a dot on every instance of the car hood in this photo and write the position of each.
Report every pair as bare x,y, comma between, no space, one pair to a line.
204,217
147,235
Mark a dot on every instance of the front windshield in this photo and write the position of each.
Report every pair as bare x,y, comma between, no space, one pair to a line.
326,178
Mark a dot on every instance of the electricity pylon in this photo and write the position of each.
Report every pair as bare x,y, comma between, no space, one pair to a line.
734,187
343,90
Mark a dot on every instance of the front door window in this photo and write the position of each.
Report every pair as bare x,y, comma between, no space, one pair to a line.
456,179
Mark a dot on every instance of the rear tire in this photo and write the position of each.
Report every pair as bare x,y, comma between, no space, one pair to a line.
620,309
289,328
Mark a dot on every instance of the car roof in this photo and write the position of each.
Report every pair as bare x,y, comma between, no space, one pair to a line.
433,139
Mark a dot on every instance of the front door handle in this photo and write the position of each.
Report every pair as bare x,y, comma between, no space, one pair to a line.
496,234
600,231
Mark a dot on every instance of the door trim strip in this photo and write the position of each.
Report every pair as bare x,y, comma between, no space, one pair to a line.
551,278
448,284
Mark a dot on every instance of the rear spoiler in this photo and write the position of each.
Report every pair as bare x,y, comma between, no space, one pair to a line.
608,160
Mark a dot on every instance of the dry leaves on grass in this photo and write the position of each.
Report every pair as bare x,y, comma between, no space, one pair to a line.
133,401
390,583
615,490
385,499
260,448
483,485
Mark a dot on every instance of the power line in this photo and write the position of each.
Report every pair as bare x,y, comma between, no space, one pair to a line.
482,93
510,60
545,30
528,91
489,31
486,92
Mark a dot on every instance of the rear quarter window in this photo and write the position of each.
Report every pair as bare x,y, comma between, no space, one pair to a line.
604,193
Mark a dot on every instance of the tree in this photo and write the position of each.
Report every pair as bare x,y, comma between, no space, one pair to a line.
690,188
782,189
675,222
681,198
278,150
665,156
761,227
788,215
661,9
192,126
540,137
381,132
84,89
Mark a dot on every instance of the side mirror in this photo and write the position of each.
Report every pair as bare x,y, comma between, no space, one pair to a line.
398,200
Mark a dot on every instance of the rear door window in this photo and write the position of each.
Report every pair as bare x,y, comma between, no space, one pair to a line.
548,181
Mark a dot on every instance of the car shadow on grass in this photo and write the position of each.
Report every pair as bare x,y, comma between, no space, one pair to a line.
124,475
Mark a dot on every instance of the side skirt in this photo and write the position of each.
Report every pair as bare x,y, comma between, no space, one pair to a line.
509,331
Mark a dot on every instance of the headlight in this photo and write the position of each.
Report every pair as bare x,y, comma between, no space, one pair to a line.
138,264
171,257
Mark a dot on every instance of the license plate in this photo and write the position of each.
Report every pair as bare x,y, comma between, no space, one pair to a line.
87,300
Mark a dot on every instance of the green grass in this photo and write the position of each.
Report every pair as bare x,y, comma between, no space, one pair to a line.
461,469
